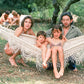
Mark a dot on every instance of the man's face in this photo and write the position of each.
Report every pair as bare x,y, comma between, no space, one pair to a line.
66,21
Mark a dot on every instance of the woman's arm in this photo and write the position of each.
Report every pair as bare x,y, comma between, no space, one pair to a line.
18,31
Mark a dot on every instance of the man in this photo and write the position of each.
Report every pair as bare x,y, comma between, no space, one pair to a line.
69,31
4,18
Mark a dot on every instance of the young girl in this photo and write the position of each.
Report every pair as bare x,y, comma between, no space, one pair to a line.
56,46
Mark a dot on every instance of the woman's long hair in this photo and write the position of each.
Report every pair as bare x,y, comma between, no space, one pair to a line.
27,17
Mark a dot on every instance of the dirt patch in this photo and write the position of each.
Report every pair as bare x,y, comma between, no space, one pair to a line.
30,75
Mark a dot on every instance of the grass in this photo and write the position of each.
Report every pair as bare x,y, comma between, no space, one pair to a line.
29,74
40,27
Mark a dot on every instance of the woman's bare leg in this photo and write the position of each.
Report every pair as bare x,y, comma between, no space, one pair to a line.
8,50
12,59
54,61
20,61
61,58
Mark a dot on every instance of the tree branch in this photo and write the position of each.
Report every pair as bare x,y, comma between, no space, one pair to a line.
56,11
68,6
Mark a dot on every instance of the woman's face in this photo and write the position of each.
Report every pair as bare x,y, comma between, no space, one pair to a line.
56,33
27,24
41,39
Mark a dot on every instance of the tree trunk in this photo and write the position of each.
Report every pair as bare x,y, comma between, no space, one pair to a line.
55,13
68,6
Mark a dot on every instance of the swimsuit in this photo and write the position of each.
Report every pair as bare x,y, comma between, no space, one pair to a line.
52,45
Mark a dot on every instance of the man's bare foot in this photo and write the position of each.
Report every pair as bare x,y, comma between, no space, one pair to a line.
12,61
20,61
56,74
75,70
44,65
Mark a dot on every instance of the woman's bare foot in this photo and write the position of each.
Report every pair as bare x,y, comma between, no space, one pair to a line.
44,65
56,74
20,61
12,62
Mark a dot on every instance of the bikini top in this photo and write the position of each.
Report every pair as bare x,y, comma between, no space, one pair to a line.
59,44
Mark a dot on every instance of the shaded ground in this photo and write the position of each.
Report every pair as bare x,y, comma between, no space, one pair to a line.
30,75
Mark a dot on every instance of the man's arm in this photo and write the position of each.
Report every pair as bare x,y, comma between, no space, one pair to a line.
79,32
49,32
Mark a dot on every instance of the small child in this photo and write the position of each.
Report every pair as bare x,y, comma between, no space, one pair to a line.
56,46
41,43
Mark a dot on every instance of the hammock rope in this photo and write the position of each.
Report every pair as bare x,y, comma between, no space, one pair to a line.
26,44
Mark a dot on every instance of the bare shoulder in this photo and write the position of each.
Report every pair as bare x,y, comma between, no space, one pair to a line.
30,32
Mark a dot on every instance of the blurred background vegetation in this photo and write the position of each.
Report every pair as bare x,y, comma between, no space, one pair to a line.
43,9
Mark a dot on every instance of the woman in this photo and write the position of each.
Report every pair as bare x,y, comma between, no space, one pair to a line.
4,18
14,18
25,28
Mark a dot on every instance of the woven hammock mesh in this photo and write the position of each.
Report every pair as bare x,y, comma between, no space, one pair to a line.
26,44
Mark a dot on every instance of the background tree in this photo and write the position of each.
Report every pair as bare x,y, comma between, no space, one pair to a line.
43,9
57,4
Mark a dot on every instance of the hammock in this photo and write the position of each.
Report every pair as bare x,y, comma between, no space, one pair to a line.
26,43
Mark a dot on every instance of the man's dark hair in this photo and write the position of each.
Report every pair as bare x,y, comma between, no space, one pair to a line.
7,12
41,33
27,17
68,14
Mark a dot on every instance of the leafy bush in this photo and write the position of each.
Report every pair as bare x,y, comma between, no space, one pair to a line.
75,8
80,21
43,14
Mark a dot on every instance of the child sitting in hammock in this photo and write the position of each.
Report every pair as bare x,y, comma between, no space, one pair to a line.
41,43
56,47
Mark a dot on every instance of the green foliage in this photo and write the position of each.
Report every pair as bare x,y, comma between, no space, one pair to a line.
78,9
62,3
40,9
1,1
24,11
33,7
40,27
43,14
2,45
43,3
80,23
75,8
